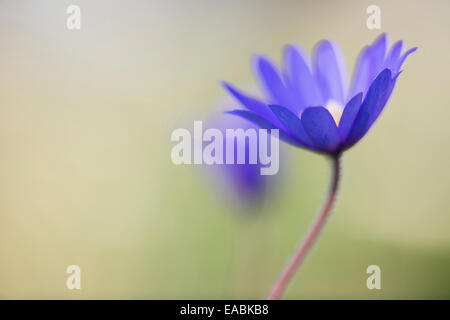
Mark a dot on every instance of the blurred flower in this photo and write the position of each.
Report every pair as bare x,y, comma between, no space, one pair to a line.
241,185
312,106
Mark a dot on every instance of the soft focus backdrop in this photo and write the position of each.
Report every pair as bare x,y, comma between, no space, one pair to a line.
86,176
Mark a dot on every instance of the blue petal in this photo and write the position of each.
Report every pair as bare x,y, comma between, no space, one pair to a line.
264,124
376,112
378,54
360,80
321,128
271,82
373,103
403,58
393,56
369,65
251,103
292,123
300,79
349,115
328,72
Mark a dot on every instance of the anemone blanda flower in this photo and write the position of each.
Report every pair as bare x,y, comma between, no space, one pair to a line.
311,103
241,185
312,106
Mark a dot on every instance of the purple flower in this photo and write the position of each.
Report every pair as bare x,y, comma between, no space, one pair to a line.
241,185
312,105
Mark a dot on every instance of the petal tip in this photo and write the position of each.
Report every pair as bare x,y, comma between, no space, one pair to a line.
260,60
323,45
224,84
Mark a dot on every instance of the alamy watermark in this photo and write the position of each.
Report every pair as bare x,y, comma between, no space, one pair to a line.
74,280
374,280
373,22
73,21
230,146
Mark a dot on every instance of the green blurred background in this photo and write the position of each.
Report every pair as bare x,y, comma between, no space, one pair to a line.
86,176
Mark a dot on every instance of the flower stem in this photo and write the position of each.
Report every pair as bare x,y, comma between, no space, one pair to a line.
313,233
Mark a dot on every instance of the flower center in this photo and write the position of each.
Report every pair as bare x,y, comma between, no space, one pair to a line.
335,109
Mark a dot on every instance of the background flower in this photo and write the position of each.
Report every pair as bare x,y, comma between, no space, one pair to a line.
241,186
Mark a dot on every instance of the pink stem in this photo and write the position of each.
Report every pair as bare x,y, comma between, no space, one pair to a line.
305,246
